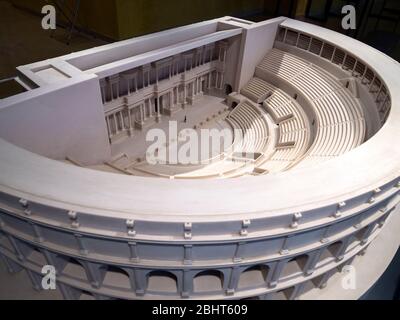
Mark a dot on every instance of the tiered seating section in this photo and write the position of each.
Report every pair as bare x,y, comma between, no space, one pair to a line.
292,127
256,90
272,131
345,60
247,120
339,116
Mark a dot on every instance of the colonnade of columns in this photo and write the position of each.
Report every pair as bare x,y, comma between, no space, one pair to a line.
129,82
128,117
121,88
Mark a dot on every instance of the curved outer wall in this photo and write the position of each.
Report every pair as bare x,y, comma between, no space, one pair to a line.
266,236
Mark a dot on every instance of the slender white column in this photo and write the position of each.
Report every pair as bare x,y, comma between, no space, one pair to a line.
150,106
144,112
184,95
108,126
156,75
115,122
130,120
141,114
121,116
222,81
147,103
158,108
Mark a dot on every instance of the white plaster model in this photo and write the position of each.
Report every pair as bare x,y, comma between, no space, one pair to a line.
320,111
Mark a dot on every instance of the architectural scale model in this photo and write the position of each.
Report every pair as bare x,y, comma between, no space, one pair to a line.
309,178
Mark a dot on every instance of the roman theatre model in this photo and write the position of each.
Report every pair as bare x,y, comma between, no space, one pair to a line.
308,180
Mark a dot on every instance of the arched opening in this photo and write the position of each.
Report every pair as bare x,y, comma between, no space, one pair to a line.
347,84
116,277
330,252
74,268
285,294
320,281
253,276
209,280
294,266
37,257
295,96
162,281
355,239
228,89
334,248
359,235
234,105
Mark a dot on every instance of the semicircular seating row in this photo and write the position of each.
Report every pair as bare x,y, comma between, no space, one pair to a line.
250,140
340,123
249,123
339,120
293,129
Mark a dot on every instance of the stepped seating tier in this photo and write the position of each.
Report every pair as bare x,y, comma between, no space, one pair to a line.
340,124
257,90
253,126
292,124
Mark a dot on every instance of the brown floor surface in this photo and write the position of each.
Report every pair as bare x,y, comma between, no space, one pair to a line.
23,41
